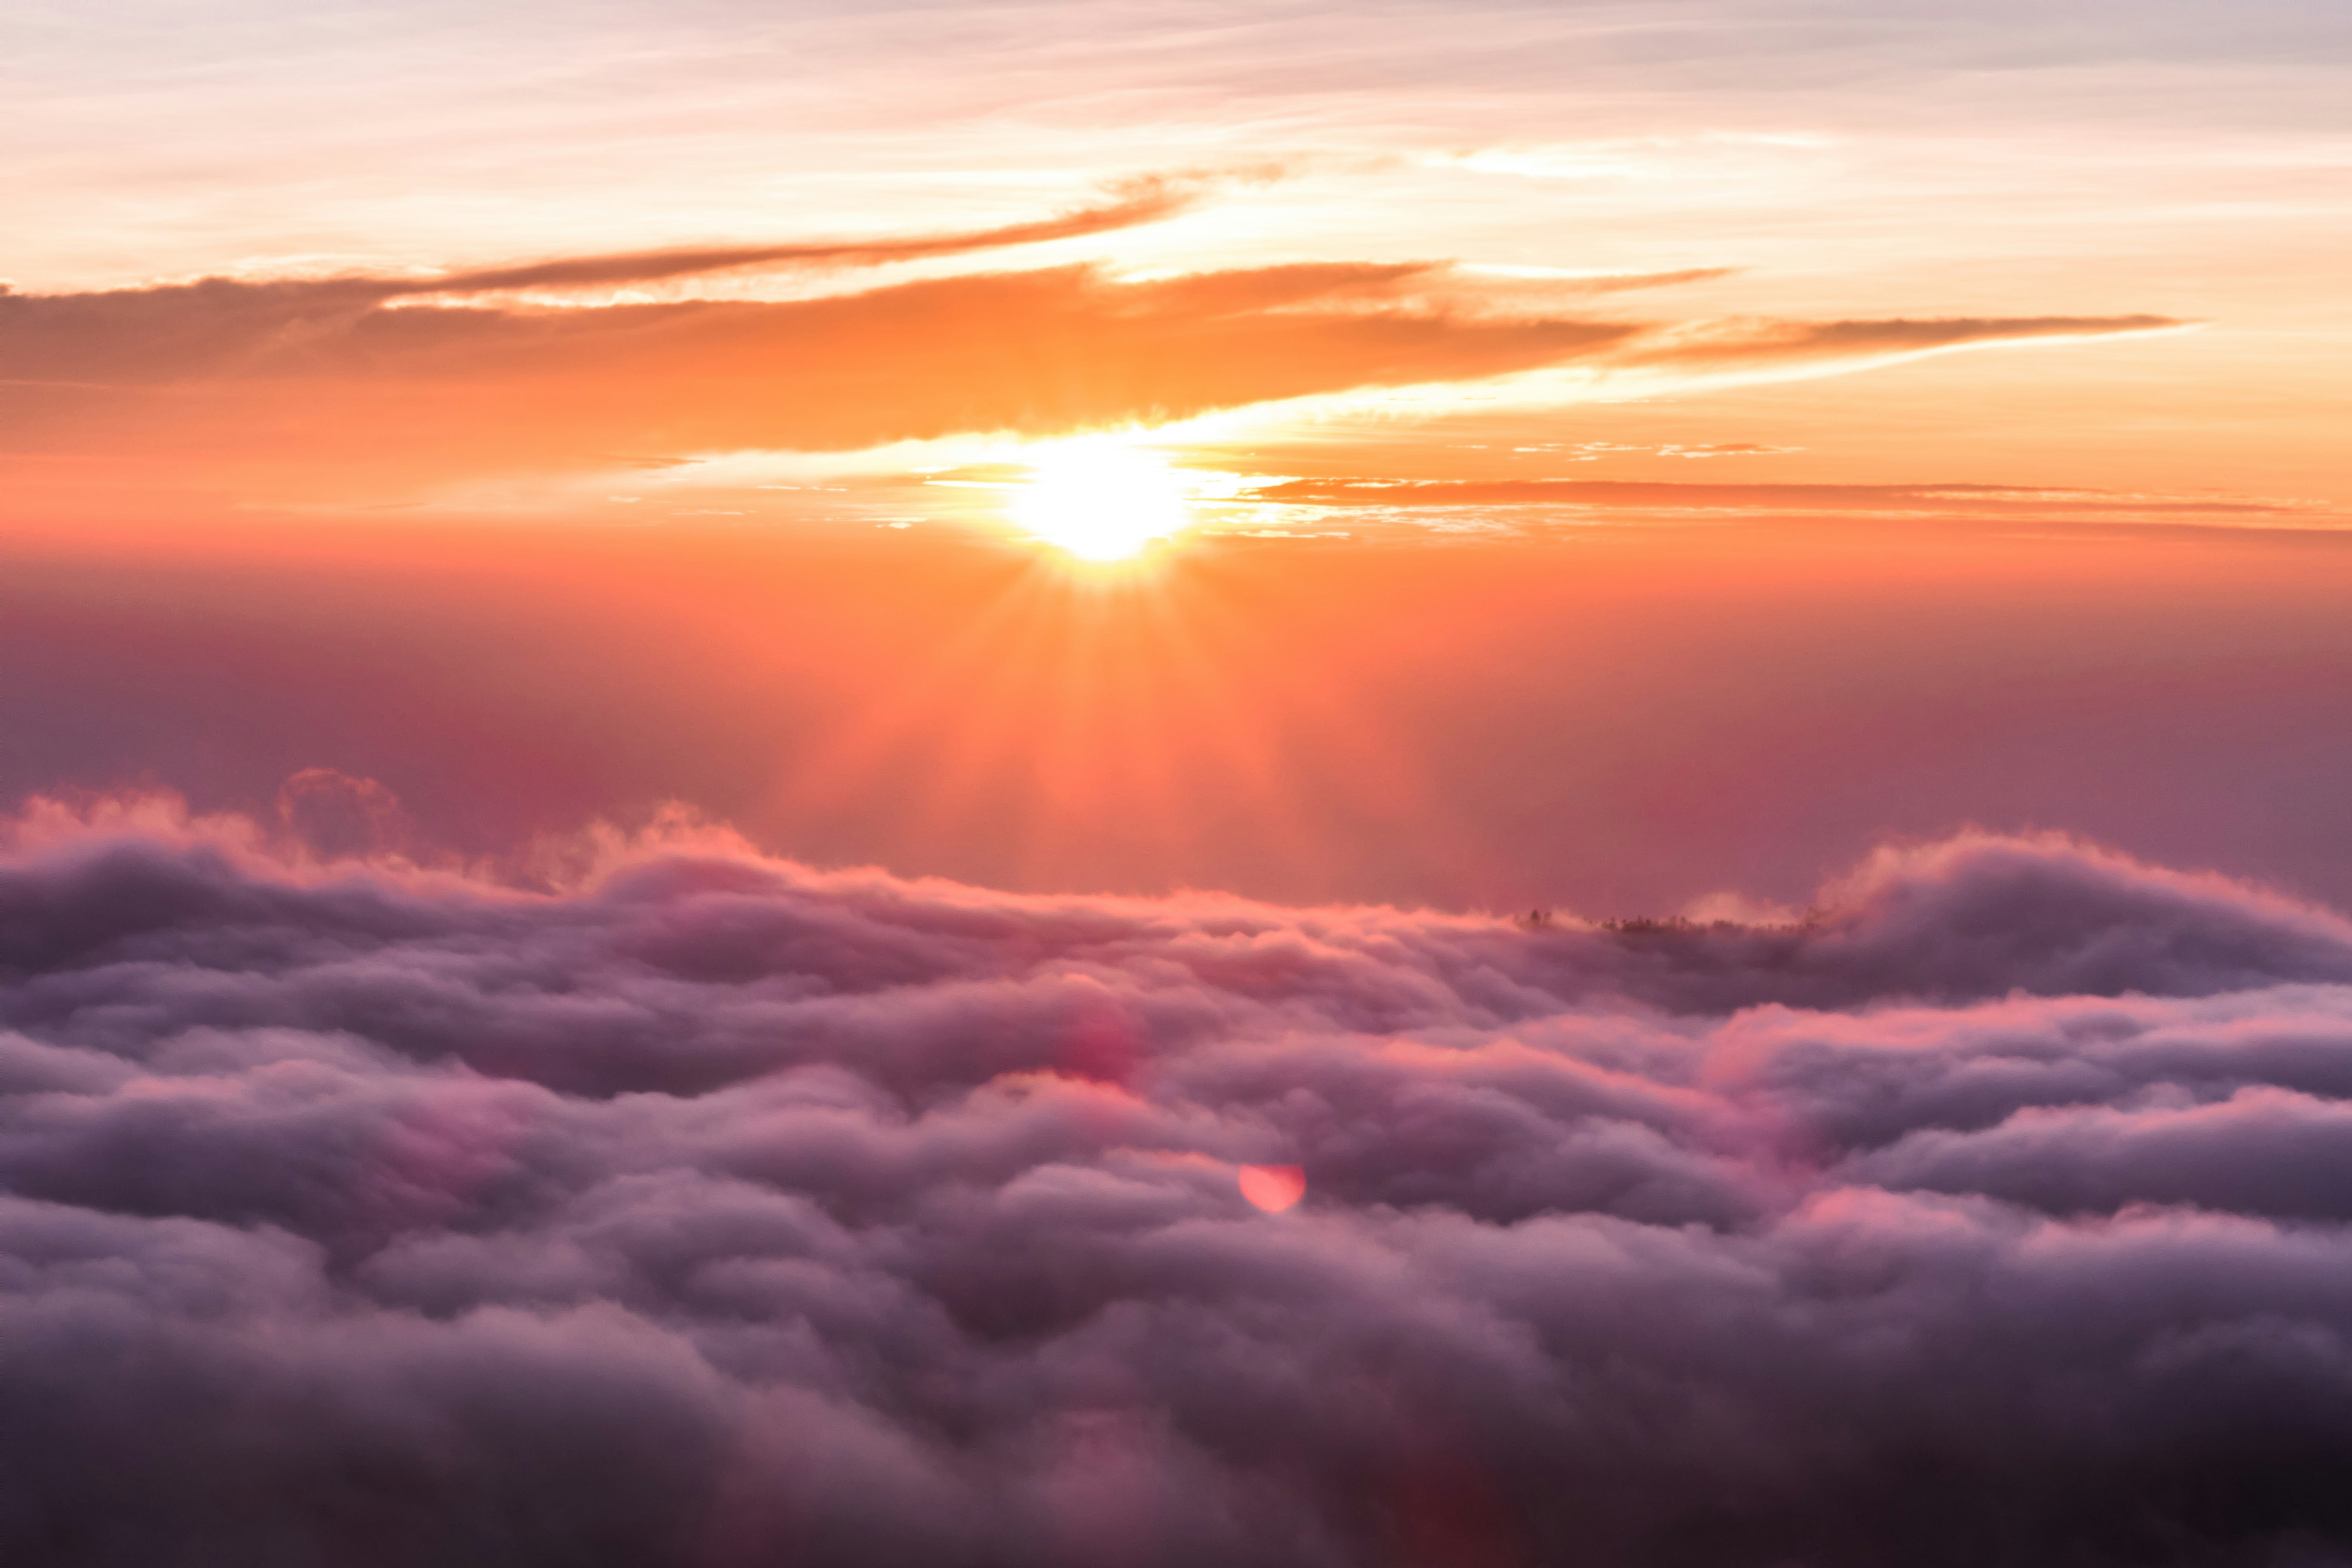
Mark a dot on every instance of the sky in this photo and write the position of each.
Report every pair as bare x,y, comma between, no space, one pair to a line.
1616,455
948,782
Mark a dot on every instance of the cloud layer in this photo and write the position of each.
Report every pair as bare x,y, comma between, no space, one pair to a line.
727,1212
317,388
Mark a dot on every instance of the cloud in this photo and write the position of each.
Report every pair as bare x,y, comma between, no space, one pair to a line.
222,326
1146,199
1622,282
1993,502
1538,283
303,375
724,1211
314,388
1738,340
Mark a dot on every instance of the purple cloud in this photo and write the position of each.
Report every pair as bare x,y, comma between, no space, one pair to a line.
727,1212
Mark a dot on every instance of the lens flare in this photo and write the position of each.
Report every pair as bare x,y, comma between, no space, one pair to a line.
1273,1188
1099,497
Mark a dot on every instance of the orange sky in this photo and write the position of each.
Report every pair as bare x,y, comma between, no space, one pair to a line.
1621,451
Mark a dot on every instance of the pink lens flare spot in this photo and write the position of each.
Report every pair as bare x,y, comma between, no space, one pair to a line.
1273,1188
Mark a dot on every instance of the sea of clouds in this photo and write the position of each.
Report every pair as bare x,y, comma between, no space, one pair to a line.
725,1211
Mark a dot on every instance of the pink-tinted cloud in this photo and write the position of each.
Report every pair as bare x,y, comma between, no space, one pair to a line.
726,1212
302,388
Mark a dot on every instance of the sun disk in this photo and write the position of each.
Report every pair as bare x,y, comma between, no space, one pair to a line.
1100,499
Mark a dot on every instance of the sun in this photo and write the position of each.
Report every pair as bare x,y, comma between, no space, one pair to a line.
1099,497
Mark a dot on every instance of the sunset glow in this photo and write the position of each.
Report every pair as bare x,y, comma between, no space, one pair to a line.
1099,497
1261,784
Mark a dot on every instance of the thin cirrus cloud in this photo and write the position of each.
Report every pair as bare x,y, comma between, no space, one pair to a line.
722,1209
1146,199
1783,341
1994,504
286,378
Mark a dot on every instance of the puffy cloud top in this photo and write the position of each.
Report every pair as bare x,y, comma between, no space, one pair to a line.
730,1213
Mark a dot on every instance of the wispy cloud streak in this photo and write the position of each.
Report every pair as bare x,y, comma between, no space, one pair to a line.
1954,500
1147,199
307,374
